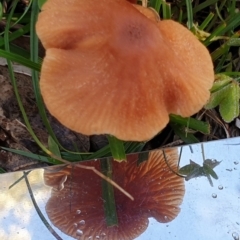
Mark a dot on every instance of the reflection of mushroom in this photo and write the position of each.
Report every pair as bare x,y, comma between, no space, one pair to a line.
79,211
105,73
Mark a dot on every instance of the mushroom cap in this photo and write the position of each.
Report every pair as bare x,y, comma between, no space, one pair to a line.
157,191
116,69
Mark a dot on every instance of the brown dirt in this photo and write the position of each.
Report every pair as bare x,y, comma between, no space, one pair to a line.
13,132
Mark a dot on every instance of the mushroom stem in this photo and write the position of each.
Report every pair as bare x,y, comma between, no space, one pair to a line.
108,194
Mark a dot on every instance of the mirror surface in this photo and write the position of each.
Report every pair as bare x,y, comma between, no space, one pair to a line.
42,204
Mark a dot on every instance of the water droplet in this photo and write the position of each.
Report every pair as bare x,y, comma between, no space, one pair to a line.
165,217
229,169
79,232
78,211
235,236
82,222
97,237
220,187
214,195
75,225
236,162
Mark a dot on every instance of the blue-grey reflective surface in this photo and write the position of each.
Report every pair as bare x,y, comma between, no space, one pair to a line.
206,212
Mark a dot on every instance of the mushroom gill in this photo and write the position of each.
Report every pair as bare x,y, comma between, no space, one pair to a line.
79,211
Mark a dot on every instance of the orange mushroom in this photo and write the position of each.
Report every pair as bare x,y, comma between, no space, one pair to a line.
79,211
116,69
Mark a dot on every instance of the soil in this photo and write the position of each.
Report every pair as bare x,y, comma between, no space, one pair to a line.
13,132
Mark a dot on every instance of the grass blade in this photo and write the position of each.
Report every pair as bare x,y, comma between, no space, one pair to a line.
117,148
189,14
19,59
108,194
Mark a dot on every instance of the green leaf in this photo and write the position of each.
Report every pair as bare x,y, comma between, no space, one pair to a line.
22,52
189,168
131,147
198,172
53,147
227,98
209,179
40,3
220,84
156,4
231,22
212,163
103,152
33,156
194,170
206,21
166,9
235,42
209,171
108,194
229,106
1,11
217,97
2,170
221,80
189,14
191,123
18,20
203,5
186,137
224,48
117,148
19,59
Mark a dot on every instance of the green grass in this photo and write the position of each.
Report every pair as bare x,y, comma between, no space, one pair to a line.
215,23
